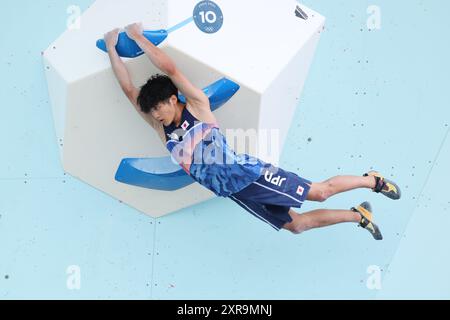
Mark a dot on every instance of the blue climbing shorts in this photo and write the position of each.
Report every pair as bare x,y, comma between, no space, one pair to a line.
271,196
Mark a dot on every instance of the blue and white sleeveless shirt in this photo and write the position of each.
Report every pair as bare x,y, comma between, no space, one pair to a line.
203,153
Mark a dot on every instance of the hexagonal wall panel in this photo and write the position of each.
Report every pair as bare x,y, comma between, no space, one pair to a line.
266,47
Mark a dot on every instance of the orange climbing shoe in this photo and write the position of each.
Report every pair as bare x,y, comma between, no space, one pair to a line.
366,222
384,186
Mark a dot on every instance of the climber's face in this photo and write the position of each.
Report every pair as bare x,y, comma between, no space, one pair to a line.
165,111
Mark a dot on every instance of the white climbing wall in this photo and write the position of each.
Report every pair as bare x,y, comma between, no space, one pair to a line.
263,46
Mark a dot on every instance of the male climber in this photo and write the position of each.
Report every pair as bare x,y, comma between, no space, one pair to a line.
266,191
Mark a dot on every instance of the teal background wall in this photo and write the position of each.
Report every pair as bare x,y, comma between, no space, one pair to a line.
373,99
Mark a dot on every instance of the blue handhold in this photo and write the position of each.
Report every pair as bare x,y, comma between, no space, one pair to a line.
128,48
218,93
162,173
153,173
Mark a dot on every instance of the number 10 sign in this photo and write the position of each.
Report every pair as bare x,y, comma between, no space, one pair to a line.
208,16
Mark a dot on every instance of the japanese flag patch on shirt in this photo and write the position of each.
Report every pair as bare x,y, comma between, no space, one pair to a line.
185,125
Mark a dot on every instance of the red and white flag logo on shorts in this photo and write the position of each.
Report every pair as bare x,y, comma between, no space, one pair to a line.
300,190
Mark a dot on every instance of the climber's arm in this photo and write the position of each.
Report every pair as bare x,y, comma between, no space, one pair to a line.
124,79
119,68
163,62
194,95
